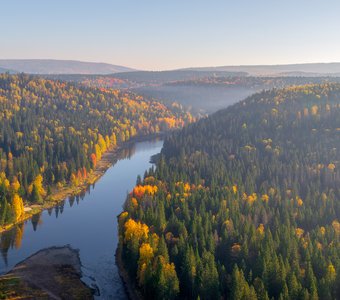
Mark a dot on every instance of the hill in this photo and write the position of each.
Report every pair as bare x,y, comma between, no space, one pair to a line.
4,70
244,204
53,135
153,77
308,69
51,66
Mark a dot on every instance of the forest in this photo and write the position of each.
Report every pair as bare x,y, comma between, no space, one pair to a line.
243,204
200,92
53,133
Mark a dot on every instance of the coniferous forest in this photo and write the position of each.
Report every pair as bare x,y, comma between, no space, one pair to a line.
243,204
170,150
53,133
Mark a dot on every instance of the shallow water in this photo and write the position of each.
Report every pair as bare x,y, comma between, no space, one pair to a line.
87,223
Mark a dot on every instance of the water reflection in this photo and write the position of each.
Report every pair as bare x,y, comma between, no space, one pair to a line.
12,239
86,222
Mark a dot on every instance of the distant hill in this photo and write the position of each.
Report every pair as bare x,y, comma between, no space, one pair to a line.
51,66
158,77
4,70
299,69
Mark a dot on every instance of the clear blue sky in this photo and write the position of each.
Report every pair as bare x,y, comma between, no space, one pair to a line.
161,34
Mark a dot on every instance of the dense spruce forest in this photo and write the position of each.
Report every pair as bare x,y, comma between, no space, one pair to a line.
244,204
53,133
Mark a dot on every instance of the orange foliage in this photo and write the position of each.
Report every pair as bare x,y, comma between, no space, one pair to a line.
94,159
84,173
134,202
140,190
235,249
252,198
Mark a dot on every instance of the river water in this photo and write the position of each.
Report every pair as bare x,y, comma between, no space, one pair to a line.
87,223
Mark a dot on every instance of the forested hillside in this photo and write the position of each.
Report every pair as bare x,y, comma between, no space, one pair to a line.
244,204
53,133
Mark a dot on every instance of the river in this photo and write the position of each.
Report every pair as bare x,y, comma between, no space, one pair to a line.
87,222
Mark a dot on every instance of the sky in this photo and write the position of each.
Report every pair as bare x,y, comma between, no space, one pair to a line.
160,34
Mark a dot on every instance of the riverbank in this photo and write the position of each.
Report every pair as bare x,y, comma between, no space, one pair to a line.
129,286
61,194
52,273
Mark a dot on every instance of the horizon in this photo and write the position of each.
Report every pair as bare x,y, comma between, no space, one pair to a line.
170,149
167,36
177,69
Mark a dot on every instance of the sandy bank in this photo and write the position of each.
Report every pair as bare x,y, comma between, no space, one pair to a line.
52,273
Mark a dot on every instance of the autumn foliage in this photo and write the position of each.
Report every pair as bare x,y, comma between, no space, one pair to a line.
57,132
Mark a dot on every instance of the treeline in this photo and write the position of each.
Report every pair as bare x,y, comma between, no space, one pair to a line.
257,83
53,133
244,204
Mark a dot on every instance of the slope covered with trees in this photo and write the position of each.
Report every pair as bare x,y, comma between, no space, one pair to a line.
244,204
53,133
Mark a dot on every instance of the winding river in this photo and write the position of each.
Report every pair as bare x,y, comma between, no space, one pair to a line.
87,222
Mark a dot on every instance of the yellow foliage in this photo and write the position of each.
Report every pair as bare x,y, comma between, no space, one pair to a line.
102,143
322,230
260,229
6,183
265,198
252,198
123,215
74,180
234,188
18,235
141,274
331,166
135,230
299,232
18,207
186,187
38,182
98,152
15,185
331,272
145,257
145,253
149,179
19,134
